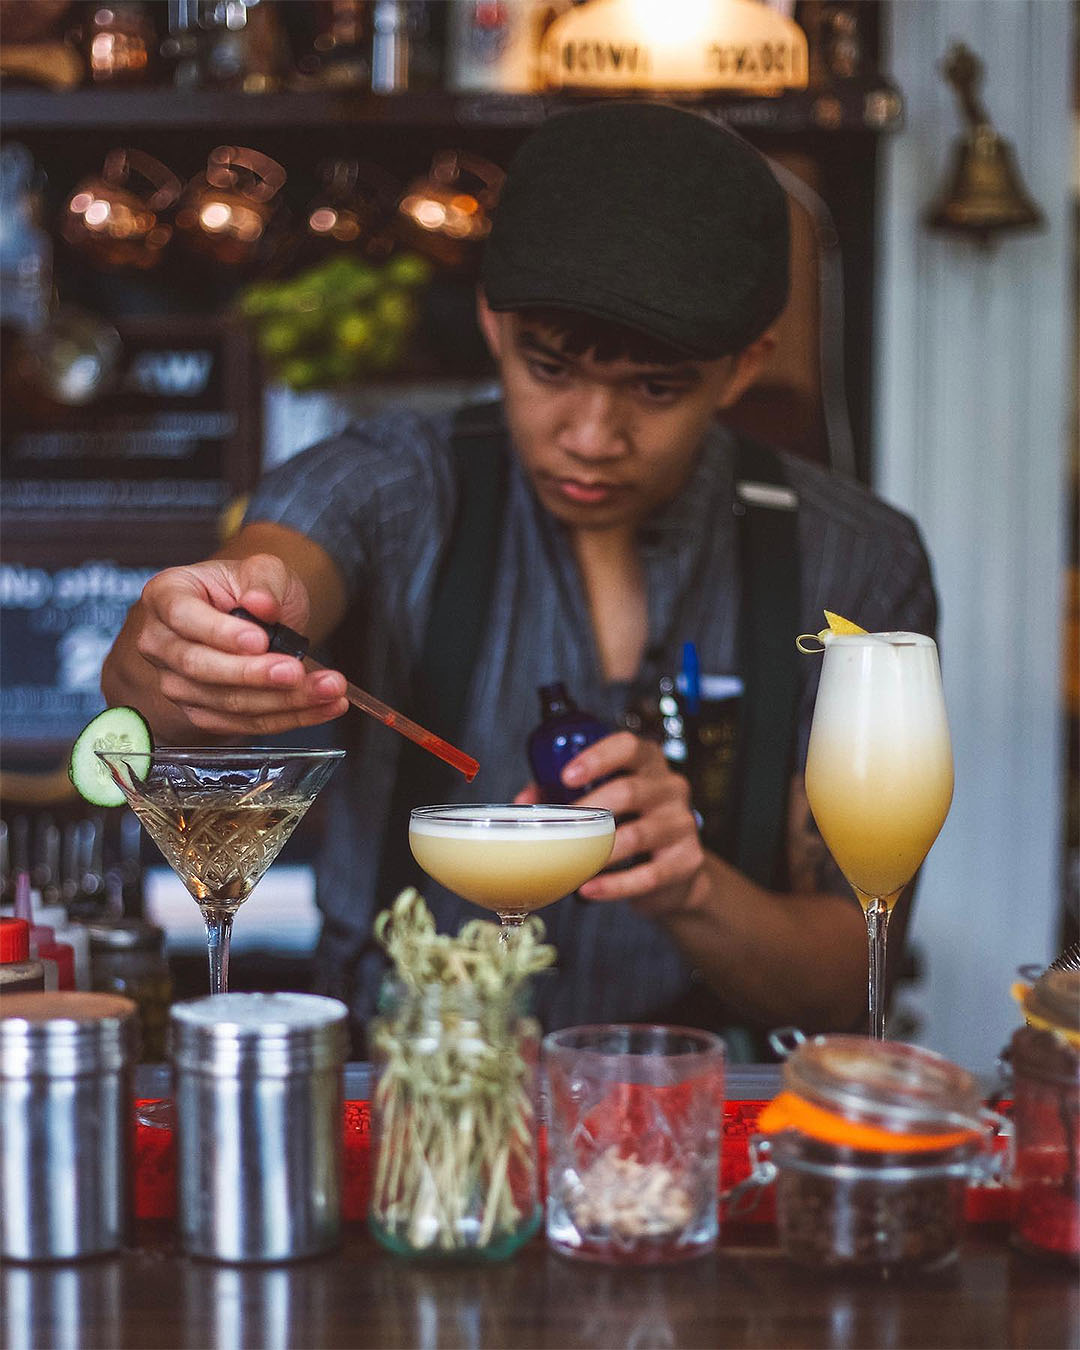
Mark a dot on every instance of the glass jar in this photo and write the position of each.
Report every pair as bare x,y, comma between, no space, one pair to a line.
871,1145
1045,1059
127,956
454,1122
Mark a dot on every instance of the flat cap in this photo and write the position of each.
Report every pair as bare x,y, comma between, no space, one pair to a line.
645,215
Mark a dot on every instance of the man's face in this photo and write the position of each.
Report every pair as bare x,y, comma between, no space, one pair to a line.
604,443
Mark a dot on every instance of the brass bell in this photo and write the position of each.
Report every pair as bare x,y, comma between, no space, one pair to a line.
984,192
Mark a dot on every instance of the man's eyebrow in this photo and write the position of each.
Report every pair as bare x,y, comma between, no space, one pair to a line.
529,341
688,374
681,374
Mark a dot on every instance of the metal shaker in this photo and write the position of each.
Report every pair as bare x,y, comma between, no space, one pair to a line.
258,1084
66,1072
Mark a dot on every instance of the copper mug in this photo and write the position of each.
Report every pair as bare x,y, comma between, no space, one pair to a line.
354,207
226,212
117,218
446,213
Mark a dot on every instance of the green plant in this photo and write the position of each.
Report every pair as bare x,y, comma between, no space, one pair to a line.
338,321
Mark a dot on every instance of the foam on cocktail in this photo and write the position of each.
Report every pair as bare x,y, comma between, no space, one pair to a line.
509,822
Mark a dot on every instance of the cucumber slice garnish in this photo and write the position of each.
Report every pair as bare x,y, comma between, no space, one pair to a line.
113,729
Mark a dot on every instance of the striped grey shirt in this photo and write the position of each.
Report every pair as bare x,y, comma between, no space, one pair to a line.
380,499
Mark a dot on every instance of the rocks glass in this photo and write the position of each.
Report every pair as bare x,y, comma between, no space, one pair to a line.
634,1121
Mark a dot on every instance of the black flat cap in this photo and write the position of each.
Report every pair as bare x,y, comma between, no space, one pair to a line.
644,215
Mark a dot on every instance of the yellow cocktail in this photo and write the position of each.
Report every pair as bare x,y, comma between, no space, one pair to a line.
511,859
879,770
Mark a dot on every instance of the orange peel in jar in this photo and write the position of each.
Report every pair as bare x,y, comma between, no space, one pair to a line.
836,626
789,1111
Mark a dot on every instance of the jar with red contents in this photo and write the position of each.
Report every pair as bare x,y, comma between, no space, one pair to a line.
1044,1055
871,1145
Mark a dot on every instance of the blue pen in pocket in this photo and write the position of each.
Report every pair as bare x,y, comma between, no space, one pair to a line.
690,679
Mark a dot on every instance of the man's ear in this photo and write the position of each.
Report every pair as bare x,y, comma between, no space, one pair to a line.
748,365
489,324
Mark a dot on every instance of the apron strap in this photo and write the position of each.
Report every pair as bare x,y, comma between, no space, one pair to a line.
461,602
767,511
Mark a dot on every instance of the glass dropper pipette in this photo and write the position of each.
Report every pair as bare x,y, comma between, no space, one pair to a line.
291,643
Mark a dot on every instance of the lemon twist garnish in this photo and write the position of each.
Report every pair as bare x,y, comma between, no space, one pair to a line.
837,626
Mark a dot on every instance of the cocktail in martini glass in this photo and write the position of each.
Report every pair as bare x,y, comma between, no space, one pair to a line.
220,816
511,859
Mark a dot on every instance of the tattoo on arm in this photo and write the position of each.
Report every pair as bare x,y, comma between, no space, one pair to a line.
810,864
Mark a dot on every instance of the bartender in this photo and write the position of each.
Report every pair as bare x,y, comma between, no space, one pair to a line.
582,529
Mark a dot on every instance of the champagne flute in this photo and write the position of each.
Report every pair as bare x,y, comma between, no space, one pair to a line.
879,772
511,859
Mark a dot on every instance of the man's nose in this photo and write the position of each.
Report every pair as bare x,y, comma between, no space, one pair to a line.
594,428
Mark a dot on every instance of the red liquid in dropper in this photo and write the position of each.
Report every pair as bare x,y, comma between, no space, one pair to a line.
457,759
435,745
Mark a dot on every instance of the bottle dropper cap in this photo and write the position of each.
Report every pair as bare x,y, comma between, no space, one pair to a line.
24,909
554,698
43,941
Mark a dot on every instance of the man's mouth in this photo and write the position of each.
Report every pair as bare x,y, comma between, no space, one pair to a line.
586,493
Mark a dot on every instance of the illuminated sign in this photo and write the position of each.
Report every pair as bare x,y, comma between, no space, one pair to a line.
676,46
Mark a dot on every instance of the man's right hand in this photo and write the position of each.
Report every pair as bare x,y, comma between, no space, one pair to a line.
193,670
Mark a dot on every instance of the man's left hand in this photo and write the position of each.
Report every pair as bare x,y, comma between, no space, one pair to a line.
654,822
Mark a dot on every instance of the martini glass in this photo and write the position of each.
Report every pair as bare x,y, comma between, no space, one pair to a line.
879,773
511,859
220,816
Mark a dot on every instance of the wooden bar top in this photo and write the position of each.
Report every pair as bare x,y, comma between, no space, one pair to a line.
746,1294
359,1296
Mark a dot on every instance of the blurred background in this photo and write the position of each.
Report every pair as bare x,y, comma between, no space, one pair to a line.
229,226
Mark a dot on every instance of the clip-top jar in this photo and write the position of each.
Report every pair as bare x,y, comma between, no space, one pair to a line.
871,1145
1045,1059
259,1124
66,1066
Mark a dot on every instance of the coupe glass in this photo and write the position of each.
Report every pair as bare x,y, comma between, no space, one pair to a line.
511,859
879,772
220,816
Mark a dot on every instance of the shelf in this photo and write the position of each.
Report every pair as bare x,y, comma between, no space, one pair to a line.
855,106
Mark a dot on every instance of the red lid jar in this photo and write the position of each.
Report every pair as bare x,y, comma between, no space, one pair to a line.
14,940
18,972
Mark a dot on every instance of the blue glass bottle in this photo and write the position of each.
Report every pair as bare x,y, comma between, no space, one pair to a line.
564,731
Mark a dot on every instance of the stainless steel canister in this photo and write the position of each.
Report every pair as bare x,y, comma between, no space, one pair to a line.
258,1082
66,1067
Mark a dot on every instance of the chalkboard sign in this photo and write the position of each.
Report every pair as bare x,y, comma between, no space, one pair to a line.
176,429
64,595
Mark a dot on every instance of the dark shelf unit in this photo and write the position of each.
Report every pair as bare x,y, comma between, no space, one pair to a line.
838,124
856,106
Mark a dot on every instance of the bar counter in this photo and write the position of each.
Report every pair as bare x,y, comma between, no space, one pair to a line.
744,1294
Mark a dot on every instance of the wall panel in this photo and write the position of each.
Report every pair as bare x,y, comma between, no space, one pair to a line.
973,381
